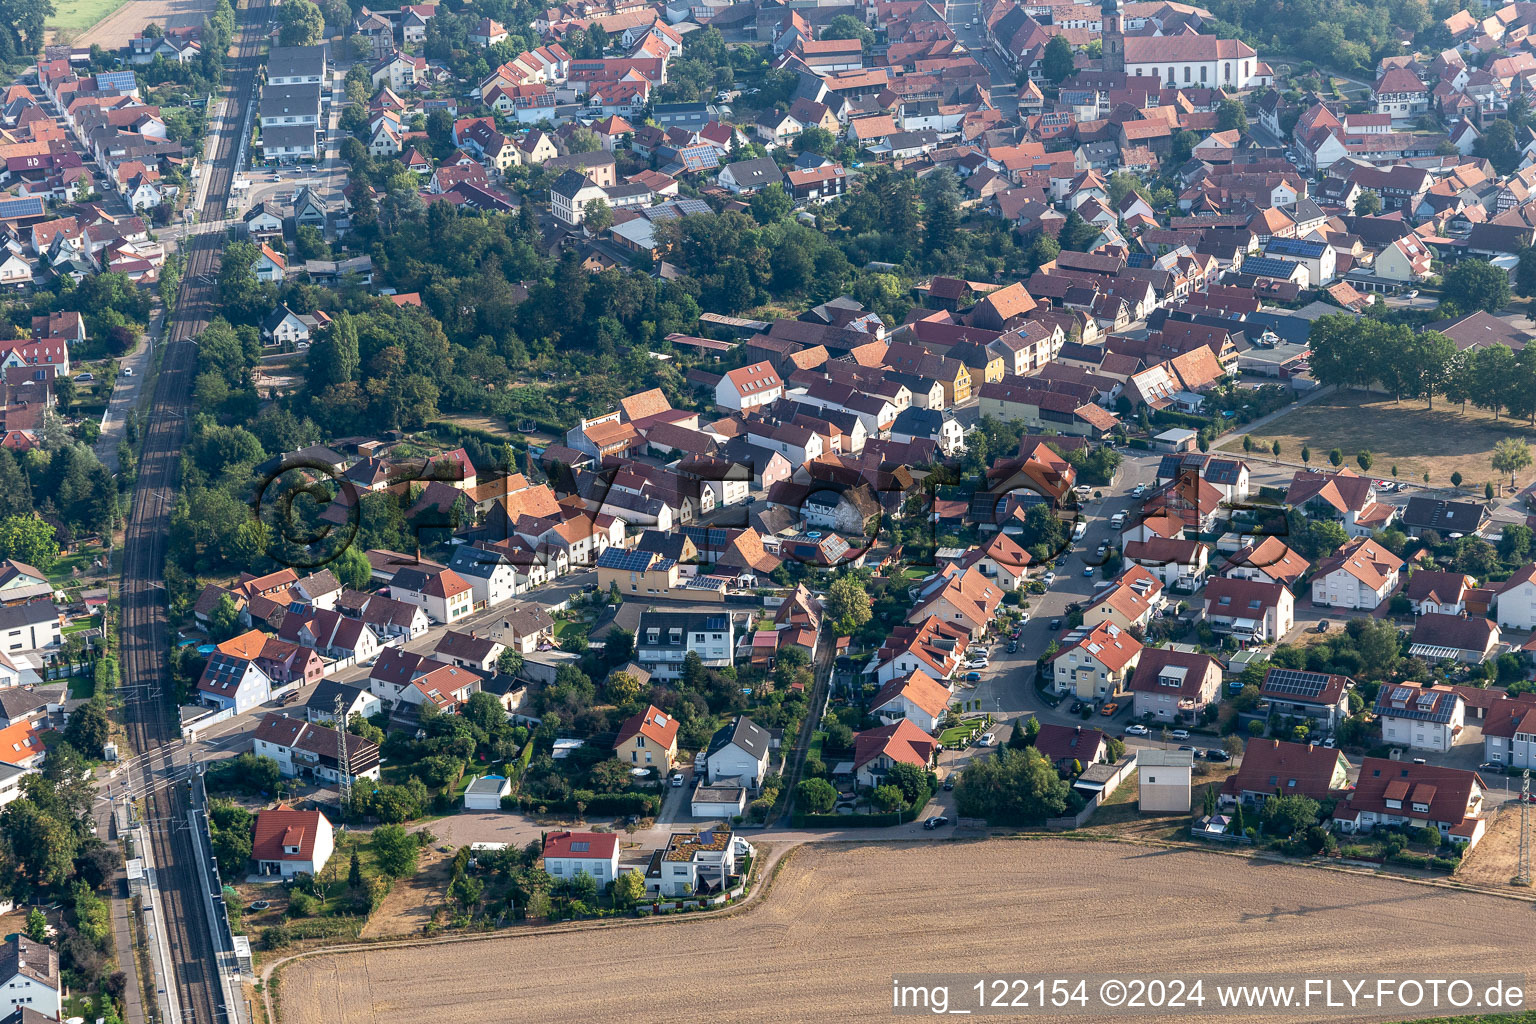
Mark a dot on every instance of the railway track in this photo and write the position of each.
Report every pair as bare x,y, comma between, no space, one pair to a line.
150,710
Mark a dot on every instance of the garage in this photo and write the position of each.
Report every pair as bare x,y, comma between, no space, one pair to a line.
485,793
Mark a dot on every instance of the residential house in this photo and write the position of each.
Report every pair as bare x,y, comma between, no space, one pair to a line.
1420,717
916,697
1279,767
1509,731
567,854
1249,610
441,593
664,639
30,979
1320,697
1438,637
303,749
1096,663
1361,575
1449,800
1175,686
739,752
648,738
696,863
876,751
1071,747
288,842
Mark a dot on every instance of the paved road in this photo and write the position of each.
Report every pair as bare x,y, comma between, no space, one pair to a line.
1004,90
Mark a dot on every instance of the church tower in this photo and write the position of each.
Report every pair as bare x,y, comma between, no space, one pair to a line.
1113,35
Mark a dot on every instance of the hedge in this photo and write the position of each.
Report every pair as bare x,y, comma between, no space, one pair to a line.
1415,860
644,804
882,819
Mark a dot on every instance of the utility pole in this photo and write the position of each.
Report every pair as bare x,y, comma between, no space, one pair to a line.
344,770
1523,865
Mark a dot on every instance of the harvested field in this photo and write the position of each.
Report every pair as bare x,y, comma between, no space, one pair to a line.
111,28
841,920
1418,440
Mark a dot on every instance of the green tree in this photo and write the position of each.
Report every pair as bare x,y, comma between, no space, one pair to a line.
1057,62
887,797
846,26
1230,114
1367,203
30,540
302,23
352,570
628,889
597,216
771,204
816,796
37,925
1286,815
1336,457
848,604
623,688
355,872
1475,284
1525,272
1365,459
816,140
1500,146
1274,449
1510,455
88,729
1015,787
395,850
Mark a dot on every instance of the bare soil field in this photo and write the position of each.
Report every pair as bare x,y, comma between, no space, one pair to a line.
840,921
114,31
1418,440
1492,860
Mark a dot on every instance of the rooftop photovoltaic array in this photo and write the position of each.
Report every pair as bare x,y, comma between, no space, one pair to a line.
1295,682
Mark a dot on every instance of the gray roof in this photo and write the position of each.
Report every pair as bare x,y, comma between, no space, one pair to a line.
295,61
279,100
1154,758
569,184
288,136
755,173
29,614
743,733
33,959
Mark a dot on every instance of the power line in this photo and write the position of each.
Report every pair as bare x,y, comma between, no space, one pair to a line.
1523,865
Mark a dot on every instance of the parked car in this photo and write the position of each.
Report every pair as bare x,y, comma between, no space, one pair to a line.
938,821
1048,578
1108,710
127,371
1186,746
677,780
973,677
1136,729
1322,625
1216,754
1077,706
1088,570
1013,645
85,376
1055,624
1180,734
1138,490
1491,766
985,740
1103,547
1078,530
949,782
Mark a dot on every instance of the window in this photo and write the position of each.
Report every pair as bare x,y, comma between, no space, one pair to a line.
1186,73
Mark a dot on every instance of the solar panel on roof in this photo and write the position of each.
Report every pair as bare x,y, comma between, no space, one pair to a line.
627,561
1265,266
1295,682
30,206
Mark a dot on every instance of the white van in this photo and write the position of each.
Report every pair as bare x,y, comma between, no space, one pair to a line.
1118,520
1078,531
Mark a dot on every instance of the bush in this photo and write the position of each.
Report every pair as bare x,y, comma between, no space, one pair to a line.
276,937
302,904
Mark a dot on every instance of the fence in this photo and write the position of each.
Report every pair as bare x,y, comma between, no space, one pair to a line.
1071,821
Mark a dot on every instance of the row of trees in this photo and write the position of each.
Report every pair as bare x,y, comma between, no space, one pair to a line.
1362,352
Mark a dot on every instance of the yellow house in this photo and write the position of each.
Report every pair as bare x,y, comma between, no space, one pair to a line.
636,573
981,360
956,380
649,738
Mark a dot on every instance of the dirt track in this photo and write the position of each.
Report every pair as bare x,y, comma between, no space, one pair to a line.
841,921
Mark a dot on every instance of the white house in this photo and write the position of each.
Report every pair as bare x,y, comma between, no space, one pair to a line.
1361,575
441,593
303,749
663,641
739,752
696,862
568,854
1449,800
1509,732
1248,609
290,842
29,978
31,626
1515,605
1420,717
916,697
490,575
749,387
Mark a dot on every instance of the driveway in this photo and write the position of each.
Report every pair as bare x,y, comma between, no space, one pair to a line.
130,387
